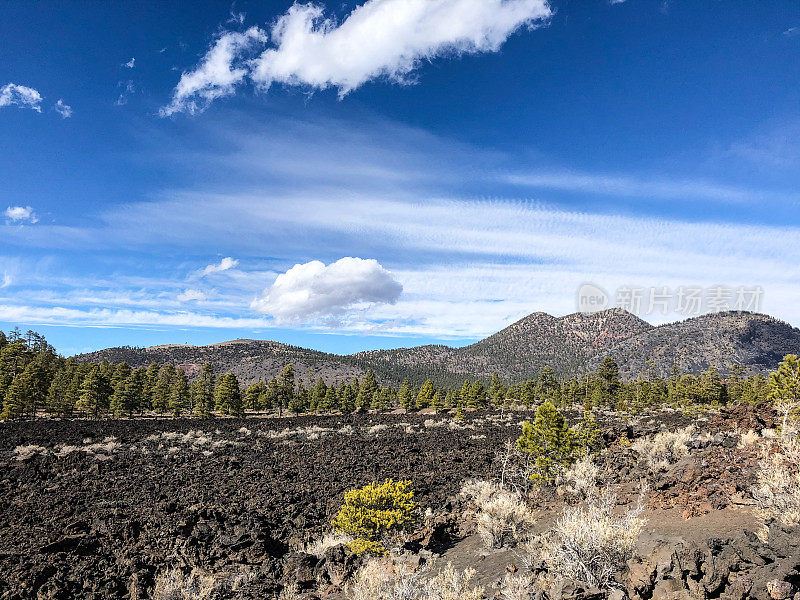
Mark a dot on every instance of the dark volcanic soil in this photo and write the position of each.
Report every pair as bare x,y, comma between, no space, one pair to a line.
102,524
100,509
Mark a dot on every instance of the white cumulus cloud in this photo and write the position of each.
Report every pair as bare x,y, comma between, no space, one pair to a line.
221,69
21,213
22,96
65,110
225,264
315,289
380,38
190,294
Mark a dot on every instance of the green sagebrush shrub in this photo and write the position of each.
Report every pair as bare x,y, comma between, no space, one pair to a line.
373,513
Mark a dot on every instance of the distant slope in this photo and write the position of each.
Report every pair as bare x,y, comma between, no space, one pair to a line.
757,342
250,360
570,345
540,340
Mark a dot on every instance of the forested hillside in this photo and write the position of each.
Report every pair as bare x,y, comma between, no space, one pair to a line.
569,345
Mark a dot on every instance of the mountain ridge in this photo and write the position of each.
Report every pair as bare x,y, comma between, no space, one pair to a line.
570,345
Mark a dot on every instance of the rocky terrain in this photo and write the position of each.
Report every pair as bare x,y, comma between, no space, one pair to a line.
106,509
570,345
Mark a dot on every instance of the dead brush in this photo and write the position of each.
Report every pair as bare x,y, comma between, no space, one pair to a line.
580,480
329,540
198,585
665,448
28,452
777,491
589,542
502,517
384,579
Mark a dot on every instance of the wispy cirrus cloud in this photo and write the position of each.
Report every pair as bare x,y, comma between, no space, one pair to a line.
639,186
189,295
379,39
225,264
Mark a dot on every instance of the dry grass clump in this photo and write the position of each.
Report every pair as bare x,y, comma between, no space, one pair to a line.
198,585
108,446
517,586
381,579
502,517
589,543
327,541
580,480
777,491
27,452
665,448
748,439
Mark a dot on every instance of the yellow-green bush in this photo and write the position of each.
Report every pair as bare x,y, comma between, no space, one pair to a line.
373,513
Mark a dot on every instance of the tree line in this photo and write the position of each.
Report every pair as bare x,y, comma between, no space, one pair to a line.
34,378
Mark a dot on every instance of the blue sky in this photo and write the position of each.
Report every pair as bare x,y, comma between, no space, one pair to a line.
386,173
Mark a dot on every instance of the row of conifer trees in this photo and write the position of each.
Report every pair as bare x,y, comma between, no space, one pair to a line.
33,378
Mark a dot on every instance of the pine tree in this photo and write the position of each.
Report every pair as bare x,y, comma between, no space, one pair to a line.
609,380
347,398
95,392
437,403
228,397
202,390
549,441
425,394
477,396
285,387
784,384
299,401
121,398
27,391
528,395
711,388
150,387
254,397
272,397
366,390
163,388
464,397
404,395
179,396
318,395
735,383
497,391
119,374
331,400
58,394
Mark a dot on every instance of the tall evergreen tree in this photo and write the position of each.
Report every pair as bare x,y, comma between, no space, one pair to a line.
202,390
318,395
254,398
784,384
404,395
285,387
425,394
228,397
179,395
95,392
163,388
